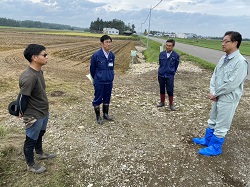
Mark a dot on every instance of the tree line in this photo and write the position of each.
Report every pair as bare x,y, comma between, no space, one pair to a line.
98,25
95,26
35,24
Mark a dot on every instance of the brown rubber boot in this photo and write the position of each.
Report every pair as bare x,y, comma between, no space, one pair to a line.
162,103
171,103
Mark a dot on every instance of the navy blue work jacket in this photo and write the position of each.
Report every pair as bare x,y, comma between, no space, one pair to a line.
101,68
168,66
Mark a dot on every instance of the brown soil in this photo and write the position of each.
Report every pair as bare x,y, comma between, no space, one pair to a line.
143,146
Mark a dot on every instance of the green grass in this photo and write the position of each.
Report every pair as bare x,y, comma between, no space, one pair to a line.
12,171
213,44
13,167
152,55
198,61
2,132
153,51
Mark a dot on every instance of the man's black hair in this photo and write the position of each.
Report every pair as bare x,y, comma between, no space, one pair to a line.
32,49
105,37
171,41
235,36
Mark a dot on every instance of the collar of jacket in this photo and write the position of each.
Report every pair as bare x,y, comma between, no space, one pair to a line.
171,54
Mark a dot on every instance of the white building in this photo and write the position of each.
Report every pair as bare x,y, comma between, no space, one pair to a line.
170,35
186,35
110,31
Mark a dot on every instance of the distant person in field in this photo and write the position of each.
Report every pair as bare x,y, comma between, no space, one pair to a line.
226,87
102,71
33,106
169,62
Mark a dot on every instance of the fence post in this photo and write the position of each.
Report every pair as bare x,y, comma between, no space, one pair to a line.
133,55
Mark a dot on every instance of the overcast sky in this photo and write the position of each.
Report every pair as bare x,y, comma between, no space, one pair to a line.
202,17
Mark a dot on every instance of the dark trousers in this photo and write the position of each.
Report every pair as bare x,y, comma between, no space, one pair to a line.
30,145
102,94
166,83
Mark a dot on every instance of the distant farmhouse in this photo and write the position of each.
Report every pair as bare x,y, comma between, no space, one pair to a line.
170,35
186,35
110,31
175,35
127,32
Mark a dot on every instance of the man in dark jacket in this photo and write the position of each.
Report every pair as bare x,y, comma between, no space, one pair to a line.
102,71
169,61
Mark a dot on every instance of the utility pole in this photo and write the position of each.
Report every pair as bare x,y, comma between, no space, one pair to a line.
149,26
141,28
141,32
150,19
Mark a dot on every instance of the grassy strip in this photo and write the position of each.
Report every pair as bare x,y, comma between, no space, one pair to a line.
152,55
2,132
13,167
213,44
12,171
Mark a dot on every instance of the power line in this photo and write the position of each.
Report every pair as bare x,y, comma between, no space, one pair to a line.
144,22
150,19
146,19
156,5
152,9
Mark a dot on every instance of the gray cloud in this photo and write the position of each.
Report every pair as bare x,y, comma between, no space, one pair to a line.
208,2
81,12
71,5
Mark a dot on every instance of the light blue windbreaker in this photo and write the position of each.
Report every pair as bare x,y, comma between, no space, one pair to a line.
228,78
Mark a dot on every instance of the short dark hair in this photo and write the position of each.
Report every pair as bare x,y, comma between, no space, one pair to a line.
105,37
235,36
32,49
171,41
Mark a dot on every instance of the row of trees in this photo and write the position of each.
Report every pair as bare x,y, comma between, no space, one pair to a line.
99,24
95,26
35,24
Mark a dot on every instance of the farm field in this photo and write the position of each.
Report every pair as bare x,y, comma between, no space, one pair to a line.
143,146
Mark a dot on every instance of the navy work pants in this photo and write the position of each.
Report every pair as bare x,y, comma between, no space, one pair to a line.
166,83
102,94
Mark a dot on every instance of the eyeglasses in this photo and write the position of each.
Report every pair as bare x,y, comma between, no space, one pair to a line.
44,55
225,41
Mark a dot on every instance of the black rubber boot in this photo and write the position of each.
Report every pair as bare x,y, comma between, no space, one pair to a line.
105,108
98,115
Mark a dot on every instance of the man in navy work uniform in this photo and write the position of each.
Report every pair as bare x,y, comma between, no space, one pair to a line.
33,106
226,87
102,71
169,61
